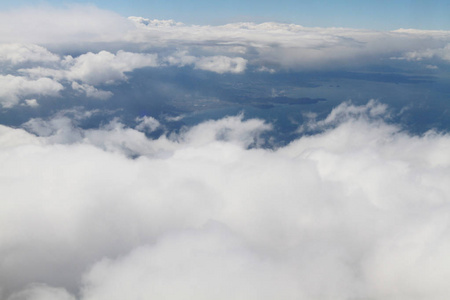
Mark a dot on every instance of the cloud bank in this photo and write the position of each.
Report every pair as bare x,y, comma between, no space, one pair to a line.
359,210
85,49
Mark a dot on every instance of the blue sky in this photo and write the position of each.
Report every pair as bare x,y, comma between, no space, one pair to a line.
381,14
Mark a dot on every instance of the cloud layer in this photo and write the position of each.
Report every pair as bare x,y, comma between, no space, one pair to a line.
85,49
358,211
352,208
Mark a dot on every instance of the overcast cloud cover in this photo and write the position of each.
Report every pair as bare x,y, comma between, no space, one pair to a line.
356,206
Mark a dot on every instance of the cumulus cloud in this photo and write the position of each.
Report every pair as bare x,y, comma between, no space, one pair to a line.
90,69
106,67
344,112
441,53
20,53
15,88
96,68
354,209
91,91
359,210
147,123
221,64
218,63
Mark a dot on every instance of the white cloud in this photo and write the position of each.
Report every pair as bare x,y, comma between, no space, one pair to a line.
19,53
147,123
71,25
357,211
101,36
218,64
213,264
89,68
267,45
14,88
441,53
91,91
106,67
221,64
31,102
347,112
96,68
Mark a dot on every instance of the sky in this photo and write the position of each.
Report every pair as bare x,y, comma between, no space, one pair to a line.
377,15
177,153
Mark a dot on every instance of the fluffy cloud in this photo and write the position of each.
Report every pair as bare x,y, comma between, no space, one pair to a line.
359,210
219,64
90,69
31,102
106,67
96,68
15,88
147,124
441,53
19,53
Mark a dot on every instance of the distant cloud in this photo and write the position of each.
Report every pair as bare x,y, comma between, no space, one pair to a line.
75,24
96,68
221,64
267,45
86,48
90,69
19,53
218,63
441,53
14,88
106,67
91,92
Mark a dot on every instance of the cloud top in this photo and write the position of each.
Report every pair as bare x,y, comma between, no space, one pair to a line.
357,211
